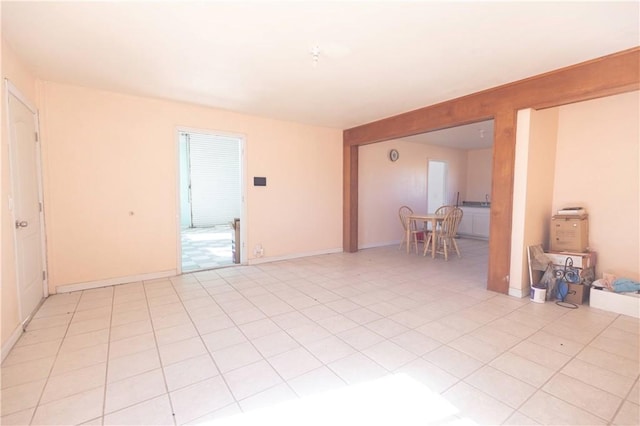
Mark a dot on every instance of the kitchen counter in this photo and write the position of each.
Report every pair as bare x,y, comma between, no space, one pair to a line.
483,204
475,221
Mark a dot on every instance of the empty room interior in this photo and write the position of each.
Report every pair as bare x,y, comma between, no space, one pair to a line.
312,213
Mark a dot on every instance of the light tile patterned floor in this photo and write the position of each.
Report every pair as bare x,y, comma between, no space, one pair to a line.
376,337
206,248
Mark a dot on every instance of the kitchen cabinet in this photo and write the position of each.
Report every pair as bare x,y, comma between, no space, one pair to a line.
475,222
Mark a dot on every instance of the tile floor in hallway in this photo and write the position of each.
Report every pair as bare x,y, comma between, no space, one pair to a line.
206,248
347,332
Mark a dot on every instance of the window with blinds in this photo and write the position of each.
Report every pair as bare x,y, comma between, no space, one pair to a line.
214,164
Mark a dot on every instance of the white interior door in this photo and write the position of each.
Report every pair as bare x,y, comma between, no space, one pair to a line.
26,201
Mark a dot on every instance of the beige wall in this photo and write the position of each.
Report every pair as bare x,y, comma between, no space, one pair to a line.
478,181
597,166
536,141
24,80
108,154
384,186
583,154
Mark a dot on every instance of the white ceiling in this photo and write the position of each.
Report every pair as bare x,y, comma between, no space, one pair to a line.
377,59
470,136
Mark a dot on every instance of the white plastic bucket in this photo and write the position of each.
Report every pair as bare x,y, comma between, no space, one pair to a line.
538,295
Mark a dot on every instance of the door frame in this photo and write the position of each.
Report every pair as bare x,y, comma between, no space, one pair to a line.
12,90
243,188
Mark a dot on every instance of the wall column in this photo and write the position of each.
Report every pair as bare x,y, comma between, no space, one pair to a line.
504,149
350,199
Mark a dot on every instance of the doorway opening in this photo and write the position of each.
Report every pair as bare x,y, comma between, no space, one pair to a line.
211,198
436,185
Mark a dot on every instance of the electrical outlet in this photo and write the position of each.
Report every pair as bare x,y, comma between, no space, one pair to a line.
258,251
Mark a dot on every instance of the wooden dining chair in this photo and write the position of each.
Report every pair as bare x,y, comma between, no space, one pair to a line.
416,234
445,235
443,210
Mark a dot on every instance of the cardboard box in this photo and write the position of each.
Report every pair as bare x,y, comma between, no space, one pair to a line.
578,294
569,233
580,260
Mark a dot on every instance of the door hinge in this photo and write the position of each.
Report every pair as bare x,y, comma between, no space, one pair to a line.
44,275
37,137
40,204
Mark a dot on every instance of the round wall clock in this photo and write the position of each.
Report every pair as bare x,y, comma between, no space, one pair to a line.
393,155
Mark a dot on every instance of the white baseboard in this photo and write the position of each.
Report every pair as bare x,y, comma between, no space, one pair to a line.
115,281
519,293
382,244
260,260
11,341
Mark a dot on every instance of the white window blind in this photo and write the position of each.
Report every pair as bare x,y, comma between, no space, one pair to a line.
215,179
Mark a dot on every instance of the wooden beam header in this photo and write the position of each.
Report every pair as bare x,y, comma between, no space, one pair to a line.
609,75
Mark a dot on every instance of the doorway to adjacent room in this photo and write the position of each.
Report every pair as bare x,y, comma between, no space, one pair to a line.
211,199
436,185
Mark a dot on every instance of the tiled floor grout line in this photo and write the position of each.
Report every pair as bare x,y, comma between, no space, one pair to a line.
333,334
559,371
625,399
253,346
155,339
485,364
358,351
220,373
104,413
414,329
469,333
35,409
515,410
356,280
264,357
482,326
106,370
146,298
139,373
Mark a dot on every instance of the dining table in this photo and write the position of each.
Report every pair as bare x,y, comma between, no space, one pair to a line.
431,218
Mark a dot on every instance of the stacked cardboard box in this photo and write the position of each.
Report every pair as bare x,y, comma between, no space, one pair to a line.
569,233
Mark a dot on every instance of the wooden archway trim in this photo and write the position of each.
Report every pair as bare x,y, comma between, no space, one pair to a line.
608,75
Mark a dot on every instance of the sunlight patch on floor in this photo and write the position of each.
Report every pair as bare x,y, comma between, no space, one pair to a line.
392,400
